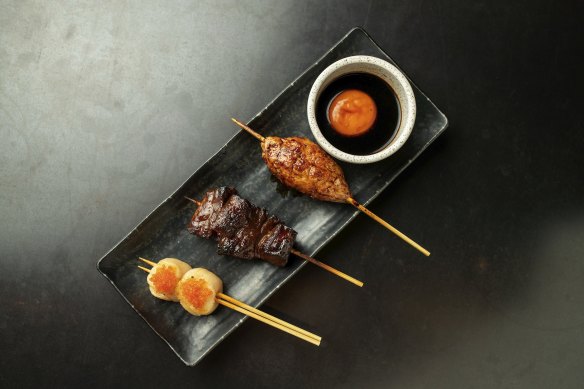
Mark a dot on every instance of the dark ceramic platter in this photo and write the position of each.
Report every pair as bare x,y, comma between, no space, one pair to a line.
163,233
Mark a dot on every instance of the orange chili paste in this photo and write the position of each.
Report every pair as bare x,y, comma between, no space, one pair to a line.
352,112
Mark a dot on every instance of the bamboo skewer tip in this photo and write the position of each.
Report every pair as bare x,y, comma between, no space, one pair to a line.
400,234
246,128
147,261
274,324
328,268
266,315
193,200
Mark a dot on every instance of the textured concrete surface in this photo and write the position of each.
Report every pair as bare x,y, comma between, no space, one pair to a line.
106,107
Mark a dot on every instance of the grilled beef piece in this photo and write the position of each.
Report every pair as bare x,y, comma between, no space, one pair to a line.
203,220
241,229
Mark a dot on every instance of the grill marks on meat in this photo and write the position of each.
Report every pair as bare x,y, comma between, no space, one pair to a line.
241,229
203,220
301,164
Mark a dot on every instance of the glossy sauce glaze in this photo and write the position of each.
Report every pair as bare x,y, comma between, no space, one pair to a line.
367,113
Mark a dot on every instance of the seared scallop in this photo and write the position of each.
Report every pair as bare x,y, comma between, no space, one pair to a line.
164,278
197,290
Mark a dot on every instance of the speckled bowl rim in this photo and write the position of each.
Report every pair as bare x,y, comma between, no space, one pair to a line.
390,74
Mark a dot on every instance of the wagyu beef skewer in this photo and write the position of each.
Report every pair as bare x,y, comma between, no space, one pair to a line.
246,231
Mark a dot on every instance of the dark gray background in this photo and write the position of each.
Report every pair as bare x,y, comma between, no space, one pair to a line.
107,107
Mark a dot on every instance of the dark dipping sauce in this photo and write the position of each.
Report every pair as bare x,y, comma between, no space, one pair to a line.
383,128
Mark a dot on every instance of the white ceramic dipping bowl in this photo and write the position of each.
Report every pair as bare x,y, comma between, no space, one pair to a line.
388,73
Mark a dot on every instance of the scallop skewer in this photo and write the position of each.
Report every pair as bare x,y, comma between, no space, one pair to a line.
200,291
165,276
309,259
301,164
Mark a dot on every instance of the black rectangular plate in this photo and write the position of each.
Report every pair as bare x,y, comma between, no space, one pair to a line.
163,233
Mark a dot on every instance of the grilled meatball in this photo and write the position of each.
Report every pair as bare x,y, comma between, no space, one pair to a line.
301,164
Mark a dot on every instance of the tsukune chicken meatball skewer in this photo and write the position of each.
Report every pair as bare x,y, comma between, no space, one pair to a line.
200,292
303,165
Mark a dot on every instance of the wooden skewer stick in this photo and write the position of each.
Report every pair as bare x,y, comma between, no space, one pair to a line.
143,268
246,128
147,261
194,201
367,212
268,322
353,202
267,316
327,268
